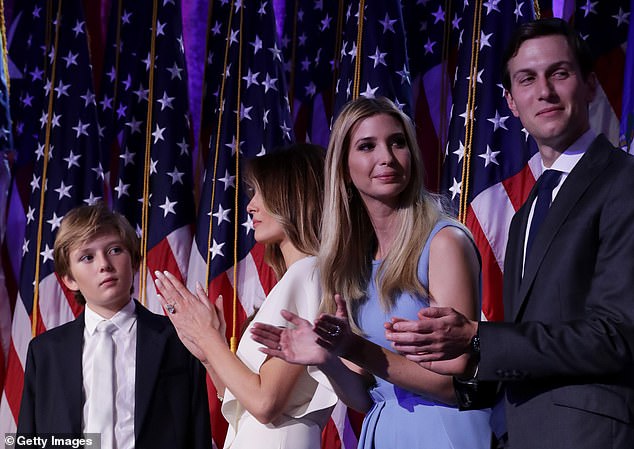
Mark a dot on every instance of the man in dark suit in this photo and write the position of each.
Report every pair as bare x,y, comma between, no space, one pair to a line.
564,357
157,396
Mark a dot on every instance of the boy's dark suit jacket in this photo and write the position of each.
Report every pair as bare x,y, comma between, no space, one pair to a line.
171,407
565,355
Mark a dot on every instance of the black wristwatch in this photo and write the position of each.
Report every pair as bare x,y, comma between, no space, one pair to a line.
474,345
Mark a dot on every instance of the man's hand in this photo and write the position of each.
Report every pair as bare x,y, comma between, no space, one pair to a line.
440,333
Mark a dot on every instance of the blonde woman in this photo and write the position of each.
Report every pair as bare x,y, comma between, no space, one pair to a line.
268,402
387,251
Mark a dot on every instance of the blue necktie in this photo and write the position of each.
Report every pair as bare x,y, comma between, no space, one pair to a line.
545,185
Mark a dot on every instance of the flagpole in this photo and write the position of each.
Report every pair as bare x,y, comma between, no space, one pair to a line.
357,66
148,149
47,142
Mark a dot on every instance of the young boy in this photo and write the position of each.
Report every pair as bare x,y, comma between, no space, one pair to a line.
118,369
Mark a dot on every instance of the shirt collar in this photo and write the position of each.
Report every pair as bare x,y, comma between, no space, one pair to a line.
123,319
573,154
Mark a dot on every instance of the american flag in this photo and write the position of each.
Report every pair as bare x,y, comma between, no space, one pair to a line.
310,41
627,115
6,147
144,113
248,115
604,27
432,32
490,163
373,56
66,170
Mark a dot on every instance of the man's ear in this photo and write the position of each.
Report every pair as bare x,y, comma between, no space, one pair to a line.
510,102
70,283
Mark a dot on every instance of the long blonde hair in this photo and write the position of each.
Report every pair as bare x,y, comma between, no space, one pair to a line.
348,240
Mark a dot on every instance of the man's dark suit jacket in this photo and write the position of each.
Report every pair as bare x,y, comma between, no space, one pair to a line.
565,354
171,408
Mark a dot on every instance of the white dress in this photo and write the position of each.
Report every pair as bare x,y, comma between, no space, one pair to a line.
312,399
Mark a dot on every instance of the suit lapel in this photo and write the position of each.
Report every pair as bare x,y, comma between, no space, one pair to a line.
71,374
584,173
151,339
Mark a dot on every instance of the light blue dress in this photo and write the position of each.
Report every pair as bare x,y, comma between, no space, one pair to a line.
399,418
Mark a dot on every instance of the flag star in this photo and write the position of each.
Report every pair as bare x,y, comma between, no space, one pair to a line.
439,16
47,254
27,99
484,40
325,23
71,59
72,159
277,53
135,125
217,28
233,39
147,61
112,74
471,114
269,83
25,247
92,199
141,93
455,23
89,98
398,104
286,130
518,10
81,128
319,5
55,221
55,120
311,89
168,207
262,151
232,145
175,71
63,190
404,74
122,189
78,28
429,46
184,147
460,151
177,176
61,89
125,17
265,117
262,9
455,188
306,64
166,102
216,249
302,40
128,157
222,215
489,156
228,180
106,103
621,17
127,83
498,121
30,215
256,44
248,225
158,133
35,183
526,134
153,166
245,111
99,172
160,28
388,24
251,78
491,5
121,110
588,8
353,51
36,74
369,91
378,57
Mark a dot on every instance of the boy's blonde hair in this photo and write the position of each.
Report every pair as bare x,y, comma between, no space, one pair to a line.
84,223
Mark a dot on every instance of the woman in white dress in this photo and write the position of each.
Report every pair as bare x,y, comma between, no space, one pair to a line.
268,402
